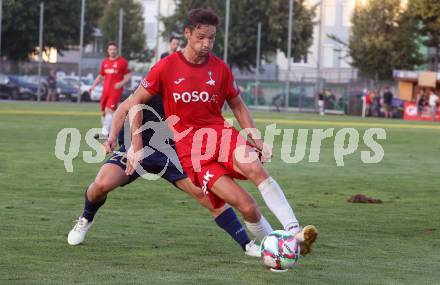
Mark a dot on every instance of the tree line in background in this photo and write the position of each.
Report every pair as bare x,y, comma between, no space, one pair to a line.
391,34
243,23
427,14
62,21
386,34
20,25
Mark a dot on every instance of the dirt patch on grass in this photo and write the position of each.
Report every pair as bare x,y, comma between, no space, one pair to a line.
361,198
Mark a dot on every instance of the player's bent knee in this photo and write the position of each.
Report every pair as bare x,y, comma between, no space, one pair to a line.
255,170
100,188
250,211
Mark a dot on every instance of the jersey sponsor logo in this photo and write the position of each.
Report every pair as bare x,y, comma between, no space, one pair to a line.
210,81
195,96
145,83
178,81
206,179
110,71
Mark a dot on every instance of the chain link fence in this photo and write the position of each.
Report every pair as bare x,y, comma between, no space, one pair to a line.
269,94
345,98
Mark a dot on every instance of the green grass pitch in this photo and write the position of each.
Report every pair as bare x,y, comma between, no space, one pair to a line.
151,233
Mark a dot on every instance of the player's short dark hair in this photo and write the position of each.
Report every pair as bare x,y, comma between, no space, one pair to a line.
112,44
174,38
198,17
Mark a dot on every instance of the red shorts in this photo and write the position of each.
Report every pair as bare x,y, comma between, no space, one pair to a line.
205,172
110,100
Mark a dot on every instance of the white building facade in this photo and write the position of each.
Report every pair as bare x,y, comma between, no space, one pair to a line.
153,28
327,59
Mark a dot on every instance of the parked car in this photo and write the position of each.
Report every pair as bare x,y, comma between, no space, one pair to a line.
4,89
17,87
43,84
295,100
66,91
96,93
95,96
83,86
86,84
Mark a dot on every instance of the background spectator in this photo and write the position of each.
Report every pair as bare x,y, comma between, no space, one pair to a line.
52,86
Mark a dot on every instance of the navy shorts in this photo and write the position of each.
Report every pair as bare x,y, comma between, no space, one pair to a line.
155,163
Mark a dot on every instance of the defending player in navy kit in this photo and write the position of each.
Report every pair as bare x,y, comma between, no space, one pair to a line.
160,158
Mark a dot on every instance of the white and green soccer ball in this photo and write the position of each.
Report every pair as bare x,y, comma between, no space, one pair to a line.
279,250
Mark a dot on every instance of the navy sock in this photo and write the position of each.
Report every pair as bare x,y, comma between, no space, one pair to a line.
90,208
231,224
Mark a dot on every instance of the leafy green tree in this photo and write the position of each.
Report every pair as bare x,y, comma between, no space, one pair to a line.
244,18
134,39
61,25
383,38
303,24
427,12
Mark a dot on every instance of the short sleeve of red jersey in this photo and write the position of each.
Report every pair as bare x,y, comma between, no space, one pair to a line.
231,87
126,69
101,70
152,82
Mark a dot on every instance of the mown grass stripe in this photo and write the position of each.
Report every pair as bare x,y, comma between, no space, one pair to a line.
256,119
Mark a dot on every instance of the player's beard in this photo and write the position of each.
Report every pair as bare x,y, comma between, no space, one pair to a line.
200,54
203,53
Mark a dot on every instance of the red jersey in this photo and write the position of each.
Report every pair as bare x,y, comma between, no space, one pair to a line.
368,98
196,93
113,72
193,92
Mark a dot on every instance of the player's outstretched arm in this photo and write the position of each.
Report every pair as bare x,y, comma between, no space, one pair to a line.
244,118
117,123
96,82
134,154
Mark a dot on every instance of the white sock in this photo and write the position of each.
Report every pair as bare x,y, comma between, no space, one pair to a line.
107,124
276,201
102,122
259,229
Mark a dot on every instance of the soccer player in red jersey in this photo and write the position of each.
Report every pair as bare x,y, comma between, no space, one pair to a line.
114,70
194,85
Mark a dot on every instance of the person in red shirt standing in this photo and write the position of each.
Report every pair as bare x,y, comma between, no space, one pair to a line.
368,102
194,85
114,70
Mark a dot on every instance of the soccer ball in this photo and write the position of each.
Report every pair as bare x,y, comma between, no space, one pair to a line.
279,250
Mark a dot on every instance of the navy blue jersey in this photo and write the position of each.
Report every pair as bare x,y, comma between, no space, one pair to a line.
156,163
154,117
